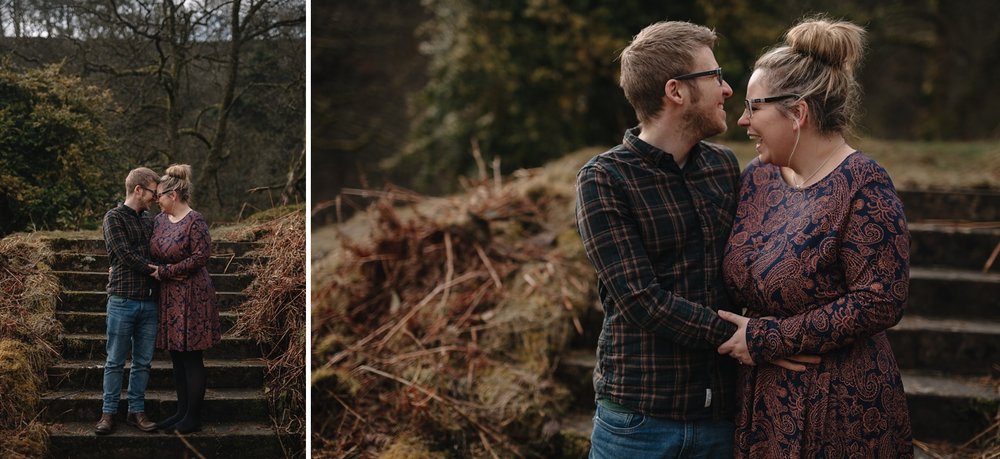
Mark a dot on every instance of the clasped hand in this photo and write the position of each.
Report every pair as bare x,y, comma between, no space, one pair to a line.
736,346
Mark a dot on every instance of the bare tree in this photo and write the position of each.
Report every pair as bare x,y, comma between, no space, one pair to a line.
195,39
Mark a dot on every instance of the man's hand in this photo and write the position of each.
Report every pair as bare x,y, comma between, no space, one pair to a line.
736,346
797,362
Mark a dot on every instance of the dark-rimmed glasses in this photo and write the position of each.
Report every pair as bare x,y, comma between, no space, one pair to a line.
748,103
716,72
155,194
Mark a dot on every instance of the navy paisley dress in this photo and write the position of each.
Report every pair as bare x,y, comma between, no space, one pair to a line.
189,318
831,263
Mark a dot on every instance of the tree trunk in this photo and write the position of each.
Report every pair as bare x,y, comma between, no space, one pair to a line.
296,173
217,152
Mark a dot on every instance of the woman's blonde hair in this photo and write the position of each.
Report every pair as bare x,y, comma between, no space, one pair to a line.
178,178
818,62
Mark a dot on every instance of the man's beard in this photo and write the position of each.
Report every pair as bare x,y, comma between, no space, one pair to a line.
698,121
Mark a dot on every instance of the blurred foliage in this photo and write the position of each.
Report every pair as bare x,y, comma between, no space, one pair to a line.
528,80
58,168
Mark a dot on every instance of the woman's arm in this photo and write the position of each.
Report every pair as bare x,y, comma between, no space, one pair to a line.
874,254
201,250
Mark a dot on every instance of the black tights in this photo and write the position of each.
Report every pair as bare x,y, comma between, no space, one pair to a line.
190,380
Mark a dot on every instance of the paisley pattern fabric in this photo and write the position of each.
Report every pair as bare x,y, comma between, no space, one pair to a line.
189,318
831,264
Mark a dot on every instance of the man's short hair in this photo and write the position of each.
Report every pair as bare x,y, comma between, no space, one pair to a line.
139,176
656,54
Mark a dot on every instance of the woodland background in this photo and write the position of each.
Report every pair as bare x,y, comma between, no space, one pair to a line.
403,89
90,89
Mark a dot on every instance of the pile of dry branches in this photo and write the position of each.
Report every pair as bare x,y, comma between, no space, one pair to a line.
275,315
28,327
436,331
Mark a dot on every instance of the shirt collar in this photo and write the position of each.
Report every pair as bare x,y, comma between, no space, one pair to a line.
131,211
658,157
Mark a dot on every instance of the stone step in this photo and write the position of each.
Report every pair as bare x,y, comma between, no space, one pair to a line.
82,280
951,346
222,264
947,408
942,292
92,347
216,440
221,374
975,205
96,246
951,245
97,301
96,322
226,405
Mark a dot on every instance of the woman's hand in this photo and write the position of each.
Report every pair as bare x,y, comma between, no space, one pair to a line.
156,272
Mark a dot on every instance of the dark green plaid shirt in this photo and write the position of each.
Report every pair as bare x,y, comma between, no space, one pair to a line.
655,234
126,236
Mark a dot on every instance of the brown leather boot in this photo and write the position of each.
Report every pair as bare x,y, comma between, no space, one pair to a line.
106,424
140,421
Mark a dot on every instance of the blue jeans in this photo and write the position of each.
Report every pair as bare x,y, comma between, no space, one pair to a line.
131,326
632,435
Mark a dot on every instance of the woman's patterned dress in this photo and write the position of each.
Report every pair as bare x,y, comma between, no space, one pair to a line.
189,318
831,263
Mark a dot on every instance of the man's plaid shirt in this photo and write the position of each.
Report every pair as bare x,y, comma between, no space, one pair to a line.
126,236
655,234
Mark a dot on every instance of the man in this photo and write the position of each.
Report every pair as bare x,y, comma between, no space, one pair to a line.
132,300
654,214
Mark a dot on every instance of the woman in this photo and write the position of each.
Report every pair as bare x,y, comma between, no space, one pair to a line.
189,319
819,257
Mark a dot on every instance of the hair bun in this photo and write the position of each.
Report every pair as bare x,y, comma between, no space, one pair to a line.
179,171
835,43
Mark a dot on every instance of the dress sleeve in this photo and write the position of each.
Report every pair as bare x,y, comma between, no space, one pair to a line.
116,240
611,239
201,250
874,254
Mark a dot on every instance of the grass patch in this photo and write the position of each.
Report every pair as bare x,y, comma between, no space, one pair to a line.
922,165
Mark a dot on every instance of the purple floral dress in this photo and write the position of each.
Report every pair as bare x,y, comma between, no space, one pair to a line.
831,263
189,318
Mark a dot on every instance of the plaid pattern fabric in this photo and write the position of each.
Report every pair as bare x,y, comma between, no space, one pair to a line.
126,236
655,234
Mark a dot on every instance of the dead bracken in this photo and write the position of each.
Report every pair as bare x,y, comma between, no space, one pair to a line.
437,325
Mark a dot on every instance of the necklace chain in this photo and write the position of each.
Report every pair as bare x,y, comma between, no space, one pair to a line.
829,155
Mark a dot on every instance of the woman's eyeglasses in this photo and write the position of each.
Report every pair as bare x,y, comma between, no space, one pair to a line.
749,103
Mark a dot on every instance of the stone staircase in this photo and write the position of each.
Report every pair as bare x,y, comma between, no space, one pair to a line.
947,345
235,415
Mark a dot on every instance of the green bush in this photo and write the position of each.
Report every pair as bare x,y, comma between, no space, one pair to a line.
58,168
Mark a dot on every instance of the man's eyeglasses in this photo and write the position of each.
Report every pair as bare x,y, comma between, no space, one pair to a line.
155,194
748,103
717,73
